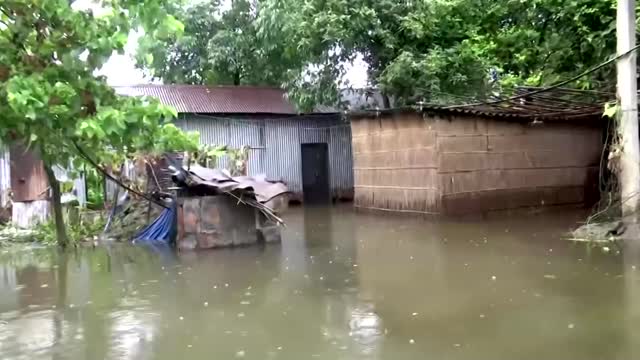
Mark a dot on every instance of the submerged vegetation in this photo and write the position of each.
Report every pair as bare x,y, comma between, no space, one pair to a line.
82,226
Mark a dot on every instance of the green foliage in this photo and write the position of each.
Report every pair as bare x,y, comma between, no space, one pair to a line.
611,110
49,96
425,50
221,47
238,160
88,228
82,226
209,155
94,181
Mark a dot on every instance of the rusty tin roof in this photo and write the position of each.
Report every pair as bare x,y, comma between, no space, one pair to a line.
215,99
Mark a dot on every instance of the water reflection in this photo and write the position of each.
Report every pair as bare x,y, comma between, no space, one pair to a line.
341,286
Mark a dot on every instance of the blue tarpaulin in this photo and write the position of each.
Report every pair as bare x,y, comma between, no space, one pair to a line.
162,230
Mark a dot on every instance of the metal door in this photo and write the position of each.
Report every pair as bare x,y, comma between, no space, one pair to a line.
315,173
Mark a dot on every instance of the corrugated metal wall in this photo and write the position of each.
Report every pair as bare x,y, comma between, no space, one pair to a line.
275,144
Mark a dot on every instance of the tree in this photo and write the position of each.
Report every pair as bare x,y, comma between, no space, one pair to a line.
438,50
219,47
50,98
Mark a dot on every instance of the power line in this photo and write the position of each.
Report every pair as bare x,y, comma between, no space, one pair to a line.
552,87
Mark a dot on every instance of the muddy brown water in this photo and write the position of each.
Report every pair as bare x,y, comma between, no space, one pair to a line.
342,285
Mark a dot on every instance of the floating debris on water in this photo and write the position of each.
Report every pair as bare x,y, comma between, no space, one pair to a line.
571,326
550,276
414,314
482,316
44,286
411,341
240,354
206,303
494,277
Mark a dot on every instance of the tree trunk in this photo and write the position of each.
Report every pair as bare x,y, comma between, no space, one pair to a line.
386,102
61,231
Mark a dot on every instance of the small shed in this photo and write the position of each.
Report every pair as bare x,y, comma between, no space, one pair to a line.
24,186
438,160
311,153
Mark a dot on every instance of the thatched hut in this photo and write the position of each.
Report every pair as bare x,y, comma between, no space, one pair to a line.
449,161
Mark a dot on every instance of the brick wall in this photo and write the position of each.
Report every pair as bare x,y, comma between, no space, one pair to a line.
453,165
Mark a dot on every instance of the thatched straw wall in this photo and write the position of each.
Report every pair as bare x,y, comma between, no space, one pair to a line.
431,164
395,164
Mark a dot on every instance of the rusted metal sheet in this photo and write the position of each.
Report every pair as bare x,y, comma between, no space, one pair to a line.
198,180
28,179
215,99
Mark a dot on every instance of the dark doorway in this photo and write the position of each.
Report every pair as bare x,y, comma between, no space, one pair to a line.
315,173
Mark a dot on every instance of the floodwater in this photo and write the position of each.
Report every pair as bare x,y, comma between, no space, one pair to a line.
342,285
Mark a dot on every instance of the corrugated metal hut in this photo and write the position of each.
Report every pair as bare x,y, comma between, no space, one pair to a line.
311,153
25,188
438,160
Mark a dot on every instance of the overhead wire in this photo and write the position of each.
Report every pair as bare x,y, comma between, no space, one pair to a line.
549,88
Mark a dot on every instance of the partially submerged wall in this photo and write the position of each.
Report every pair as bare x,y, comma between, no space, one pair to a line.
276,145
207,222
466,164
395,164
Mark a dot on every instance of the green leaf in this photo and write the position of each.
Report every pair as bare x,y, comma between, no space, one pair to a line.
173,24
120,38
611,109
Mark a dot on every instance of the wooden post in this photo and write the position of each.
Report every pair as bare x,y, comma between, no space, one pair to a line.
628,115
